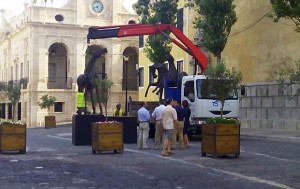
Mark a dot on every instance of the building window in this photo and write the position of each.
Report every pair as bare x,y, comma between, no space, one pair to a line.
21,71
9,111
58,107
3,110
17,69
52,71
151,78
11,73
180,66
141,41
141,77
180,19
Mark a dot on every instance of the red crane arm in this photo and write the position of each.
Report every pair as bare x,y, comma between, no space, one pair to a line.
100,32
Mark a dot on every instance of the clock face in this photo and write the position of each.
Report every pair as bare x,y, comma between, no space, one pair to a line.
97,6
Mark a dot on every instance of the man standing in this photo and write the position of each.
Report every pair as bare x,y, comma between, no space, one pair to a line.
169,121
179,130
80,102
118,111
143,118
158,124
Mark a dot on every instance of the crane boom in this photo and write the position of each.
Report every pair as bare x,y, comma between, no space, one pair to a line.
101,32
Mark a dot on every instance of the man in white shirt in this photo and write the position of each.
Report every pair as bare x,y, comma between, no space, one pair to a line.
169,121
158,123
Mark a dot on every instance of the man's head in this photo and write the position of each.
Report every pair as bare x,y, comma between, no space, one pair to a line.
118,106
169,101
144,104
176,103
162,101
80,89
185,103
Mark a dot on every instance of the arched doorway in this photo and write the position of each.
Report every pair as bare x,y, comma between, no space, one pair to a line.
57,67
130,66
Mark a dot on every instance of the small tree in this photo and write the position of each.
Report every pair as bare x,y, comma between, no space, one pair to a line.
216,17
223,82
289,76
104,89
14,94
47,102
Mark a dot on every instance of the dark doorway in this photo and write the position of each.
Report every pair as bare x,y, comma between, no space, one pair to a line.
19,111
3,110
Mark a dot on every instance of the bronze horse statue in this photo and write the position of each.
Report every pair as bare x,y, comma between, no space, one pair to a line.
163,74
87,81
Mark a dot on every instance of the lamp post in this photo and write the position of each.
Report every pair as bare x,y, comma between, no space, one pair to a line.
126,58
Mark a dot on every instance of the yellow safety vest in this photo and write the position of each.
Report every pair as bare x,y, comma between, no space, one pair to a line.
80,100
121,112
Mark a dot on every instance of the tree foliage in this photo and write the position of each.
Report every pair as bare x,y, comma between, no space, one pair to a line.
288,9
14,94
157,12
288,77
47,101
216,17
104,89
224,82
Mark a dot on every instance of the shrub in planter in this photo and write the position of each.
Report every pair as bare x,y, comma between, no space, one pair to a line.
14,94
106,136
46,102
13,136
221,136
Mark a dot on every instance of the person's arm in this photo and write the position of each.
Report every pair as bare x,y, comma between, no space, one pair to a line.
175,119
153,113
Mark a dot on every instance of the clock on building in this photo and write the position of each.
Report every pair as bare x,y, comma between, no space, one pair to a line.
97,6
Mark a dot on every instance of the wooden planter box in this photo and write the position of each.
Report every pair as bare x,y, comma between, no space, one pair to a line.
13,138
50,122
107,137
220,139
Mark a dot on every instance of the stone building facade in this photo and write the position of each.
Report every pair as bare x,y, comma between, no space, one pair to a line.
44,48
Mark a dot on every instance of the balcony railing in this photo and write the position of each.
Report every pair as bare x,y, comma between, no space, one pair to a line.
132,84
59,82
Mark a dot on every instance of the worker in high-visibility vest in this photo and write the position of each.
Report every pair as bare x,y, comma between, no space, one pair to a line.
80,100
118,111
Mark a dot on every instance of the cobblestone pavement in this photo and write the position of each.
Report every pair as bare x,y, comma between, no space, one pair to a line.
52,161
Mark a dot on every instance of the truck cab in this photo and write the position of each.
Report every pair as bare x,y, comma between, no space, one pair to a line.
202,100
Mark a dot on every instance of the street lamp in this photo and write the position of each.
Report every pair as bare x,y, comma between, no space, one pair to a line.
126,58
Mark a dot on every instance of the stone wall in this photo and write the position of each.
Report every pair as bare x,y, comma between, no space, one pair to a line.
266,106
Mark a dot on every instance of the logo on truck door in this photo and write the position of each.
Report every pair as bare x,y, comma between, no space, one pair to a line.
215,103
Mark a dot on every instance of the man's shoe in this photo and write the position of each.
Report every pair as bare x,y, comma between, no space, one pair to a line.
146,148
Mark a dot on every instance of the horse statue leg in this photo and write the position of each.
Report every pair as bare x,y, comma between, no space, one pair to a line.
98,89
93,102
149,85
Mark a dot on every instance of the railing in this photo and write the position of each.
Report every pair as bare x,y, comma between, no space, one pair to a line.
59,82
132,84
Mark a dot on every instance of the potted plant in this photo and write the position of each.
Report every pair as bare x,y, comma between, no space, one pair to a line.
106,136
13,134
221,136
46,102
